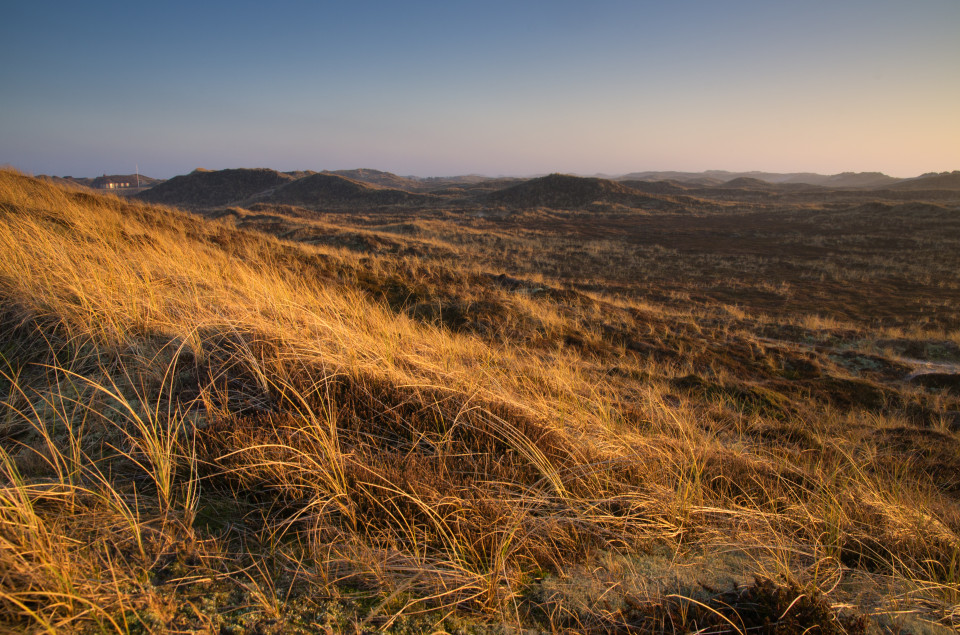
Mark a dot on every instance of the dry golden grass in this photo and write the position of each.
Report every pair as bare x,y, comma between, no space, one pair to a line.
207,429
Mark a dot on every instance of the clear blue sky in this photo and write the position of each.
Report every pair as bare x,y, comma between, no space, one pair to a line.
440,88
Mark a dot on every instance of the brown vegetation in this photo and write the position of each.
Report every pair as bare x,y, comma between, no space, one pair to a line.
475,419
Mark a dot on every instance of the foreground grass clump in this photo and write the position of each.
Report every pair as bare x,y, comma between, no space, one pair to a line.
208,429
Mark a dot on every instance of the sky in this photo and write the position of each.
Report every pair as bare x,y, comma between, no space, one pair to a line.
496,88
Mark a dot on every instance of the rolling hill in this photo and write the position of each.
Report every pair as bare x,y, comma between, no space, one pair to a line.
561,191
333,190
718,177
379,178
206,188
747,183
944,181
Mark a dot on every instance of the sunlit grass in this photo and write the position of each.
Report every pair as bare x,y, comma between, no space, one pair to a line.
197,418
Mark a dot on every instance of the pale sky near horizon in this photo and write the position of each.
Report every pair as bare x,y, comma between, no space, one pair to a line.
443,88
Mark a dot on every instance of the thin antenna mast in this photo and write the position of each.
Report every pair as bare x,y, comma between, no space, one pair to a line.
138,176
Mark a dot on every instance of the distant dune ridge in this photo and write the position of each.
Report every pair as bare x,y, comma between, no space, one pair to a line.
944,181
378,177
203,188
244,181
565,191
746,182
716,177
368,188
334,189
